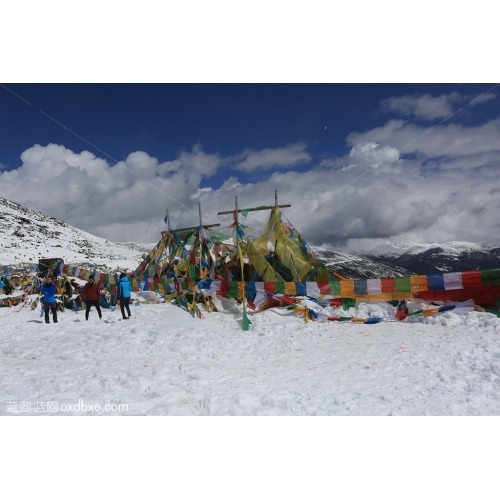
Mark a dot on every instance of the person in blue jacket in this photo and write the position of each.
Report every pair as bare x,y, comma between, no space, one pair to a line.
49,301
124,295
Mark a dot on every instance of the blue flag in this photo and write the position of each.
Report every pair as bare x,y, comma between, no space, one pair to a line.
165,219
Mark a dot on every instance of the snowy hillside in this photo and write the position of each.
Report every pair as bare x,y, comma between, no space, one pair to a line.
27,235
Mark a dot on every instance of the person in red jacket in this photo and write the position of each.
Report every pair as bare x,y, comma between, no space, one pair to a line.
402,312
91,295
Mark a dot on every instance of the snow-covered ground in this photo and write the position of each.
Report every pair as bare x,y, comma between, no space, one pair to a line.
165,362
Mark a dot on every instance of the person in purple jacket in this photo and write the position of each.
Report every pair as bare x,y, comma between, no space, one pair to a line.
49,301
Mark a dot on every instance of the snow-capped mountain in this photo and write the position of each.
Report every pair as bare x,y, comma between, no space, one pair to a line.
438,257
27,235
359,267
393,250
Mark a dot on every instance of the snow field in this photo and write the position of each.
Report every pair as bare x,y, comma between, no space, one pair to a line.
165,362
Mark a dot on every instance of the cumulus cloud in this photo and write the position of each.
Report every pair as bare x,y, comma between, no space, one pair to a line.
425,106
294,154
480,99
115,200
372,155
128,200
200,162
447,140
445,190
428,107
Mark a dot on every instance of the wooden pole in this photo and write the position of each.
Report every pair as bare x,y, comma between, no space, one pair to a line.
201,241
236,220
275,198
254,209
168,221
196,227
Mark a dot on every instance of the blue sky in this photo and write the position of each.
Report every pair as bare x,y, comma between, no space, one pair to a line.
163,119
330,149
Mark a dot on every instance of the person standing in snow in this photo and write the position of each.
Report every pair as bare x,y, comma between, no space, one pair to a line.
48,289
91,295
124,295
114,296
2,285
7,286
67,288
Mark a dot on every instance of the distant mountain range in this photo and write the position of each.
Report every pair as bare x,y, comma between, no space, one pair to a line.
439,257
359,267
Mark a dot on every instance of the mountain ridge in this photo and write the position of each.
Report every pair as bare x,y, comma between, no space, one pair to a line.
27,235
359,267
432,258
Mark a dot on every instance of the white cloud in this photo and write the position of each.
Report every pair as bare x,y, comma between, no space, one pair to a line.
371,154
87,192
480,160
266,159
199,191
200,162
426,106
451,140
446,191
480,99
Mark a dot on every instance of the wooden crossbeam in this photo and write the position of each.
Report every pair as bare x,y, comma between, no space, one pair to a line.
254,209
205,226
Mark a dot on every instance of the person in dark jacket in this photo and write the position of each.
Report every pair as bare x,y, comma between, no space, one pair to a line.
124,295
114,296
67,288
8,287
49,300
91,295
